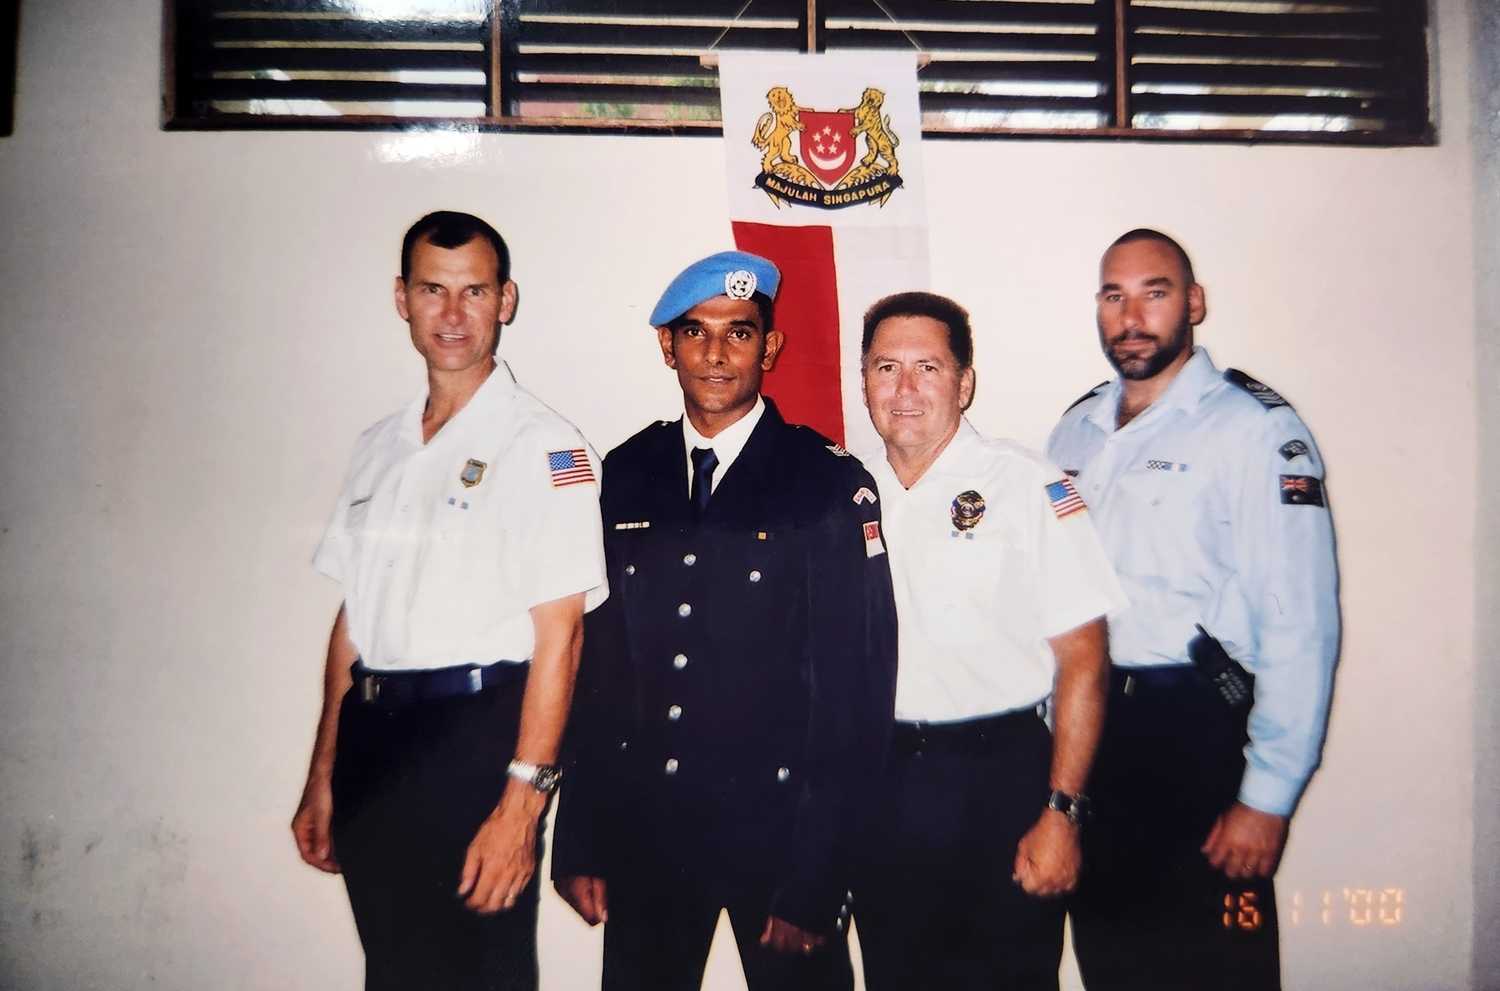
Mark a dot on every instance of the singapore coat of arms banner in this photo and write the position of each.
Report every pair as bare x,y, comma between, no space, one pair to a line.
823,156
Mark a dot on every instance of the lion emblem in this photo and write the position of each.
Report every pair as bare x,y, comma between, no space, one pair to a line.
880,141
773,132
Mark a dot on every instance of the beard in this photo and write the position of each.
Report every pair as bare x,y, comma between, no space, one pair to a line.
1140,366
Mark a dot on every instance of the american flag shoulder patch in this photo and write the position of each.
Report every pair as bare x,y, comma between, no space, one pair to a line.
569,467
1064,498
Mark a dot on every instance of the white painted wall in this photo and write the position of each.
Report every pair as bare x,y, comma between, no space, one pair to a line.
197,325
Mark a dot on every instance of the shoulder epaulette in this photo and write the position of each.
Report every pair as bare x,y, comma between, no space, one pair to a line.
1087,395
1264,394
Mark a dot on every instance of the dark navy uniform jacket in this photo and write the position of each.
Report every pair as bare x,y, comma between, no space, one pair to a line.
737,688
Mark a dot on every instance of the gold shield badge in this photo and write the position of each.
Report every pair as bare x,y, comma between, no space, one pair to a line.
472,474
968,510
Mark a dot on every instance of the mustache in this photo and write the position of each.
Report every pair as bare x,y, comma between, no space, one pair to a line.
1132,335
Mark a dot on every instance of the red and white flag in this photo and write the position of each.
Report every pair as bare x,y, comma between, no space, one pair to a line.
823,160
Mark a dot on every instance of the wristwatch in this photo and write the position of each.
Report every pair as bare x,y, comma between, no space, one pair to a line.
543,777
1075,807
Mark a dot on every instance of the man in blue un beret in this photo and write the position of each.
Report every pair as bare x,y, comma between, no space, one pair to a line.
737,687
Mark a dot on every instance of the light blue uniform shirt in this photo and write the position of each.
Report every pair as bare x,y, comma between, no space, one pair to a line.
1211,506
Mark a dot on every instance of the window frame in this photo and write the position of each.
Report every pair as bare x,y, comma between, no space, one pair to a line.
1417,13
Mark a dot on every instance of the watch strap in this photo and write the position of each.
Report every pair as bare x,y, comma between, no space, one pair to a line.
542,777
1075,807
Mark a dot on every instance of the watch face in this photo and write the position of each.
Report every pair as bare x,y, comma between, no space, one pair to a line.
547,779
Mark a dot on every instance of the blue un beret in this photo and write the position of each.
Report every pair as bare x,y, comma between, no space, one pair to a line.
736,274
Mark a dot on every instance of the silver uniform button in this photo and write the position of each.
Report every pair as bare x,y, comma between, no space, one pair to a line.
689,559
671,765
838,924
684,610
674,712
630,569
680,661
755,576
782,774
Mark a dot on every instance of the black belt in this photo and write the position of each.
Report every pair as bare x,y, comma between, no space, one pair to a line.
1155,679
392,688
985,735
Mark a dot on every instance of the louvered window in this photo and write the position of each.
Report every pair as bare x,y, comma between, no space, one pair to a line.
1341,70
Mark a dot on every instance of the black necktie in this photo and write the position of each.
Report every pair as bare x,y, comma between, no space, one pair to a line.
704,463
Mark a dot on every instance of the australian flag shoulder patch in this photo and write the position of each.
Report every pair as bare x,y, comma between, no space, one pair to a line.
1301,490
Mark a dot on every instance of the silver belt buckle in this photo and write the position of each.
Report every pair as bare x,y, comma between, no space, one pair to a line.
369,688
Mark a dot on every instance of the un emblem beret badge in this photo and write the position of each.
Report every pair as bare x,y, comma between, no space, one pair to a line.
740,284
967,511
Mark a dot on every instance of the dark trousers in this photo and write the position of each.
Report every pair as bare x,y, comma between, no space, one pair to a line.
659,932
1150,912
411,785
935,903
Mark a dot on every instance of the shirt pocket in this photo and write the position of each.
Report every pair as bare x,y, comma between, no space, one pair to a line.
356,514
357,524
1165,487
964,580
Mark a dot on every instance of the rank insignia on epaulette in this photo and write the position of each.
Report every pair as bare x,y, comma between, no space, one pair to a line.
839,450
1264,394
967,510
864,495
472,474
1293,449
1087,395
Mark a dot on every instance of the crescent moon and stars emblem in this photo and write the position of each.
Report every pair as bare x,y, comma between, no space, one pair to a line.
827,150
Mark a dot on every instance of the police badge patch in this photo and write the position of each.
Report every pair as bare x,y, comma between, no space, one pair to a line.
967,510
472,474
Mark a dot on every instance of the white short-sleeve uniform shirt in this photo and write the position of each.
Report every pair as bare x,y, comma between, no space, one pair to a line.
976,604
443,548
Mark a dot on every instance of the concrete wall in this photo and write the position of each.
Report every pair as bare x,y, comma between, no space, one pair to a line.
197,326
